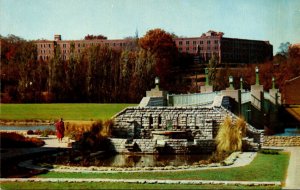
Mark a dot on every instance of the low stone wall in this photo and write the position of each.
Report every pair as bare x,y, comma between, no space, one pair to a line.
153,146
281,141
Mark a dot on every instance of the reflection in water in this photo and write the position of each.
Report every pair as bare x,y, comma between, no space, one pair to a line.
123,160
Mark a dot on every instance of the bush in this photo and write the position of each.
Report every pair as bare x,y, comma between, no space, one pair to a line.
14,140
268,151
30,132
229,137
47,132
106,130
216,157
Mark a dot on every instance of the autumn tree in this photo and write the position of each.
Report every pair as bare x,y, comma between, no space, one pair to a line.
212,70
162,46
95,37
57,76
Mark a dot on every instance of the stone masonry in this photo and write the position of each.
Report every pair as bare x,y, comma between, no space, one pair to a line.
282,141
191,129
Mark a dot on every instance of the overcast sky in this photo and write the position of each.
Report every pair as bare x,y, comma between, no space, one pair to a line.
274,20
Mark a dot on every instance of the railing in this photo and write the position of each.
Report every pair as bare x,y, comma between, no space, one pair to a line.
255,102
246,97
192,99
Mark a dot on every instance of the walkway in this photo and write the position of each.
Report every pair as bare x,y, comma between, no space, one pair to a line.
293,174
142,181
51,144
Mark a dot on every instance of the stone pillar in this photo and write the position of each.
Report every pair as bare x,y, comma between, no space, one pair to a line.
256,91
230,91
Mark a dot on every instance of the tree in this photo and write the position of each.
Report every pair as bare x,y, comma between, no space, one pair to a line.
212,70
95,37
57,76
284,48
162,46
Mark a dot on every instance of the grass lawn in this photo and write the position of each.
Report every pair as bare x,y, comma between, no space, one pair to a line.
84,112
108,185
265,167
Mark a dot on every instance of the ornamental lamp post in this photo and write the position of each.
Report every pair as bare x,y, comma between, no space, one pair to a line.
257,75
230,82
241,83
273,83
156,82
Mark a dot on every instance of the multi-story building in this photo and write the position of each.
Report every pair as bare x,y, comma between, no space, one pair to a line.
45,48
227,50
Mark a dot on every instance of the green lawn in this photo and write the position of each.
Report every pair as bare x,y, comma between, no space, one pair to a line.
108,185
265,167
84,112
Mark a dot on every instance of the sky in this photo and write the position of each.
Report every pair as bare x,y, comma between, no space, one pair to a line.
276,21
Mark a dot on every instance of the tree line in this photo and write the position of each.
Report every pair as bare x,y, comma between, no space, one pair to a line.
102,74
98,74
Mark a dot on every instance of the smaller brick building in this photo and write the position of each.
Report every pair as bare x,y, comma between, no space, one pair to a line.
291,91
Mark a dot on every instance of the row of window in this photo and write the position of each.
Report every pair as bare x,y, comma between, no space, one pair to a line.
45,45
83,45
195,42
44,51
195,48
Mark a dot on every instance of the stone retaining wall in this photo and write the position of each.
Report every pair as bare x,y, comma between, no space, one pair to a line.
191,129
281,141
171,146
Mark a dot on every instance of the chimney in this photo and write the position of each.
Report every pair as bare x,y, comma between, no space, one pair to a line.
57,37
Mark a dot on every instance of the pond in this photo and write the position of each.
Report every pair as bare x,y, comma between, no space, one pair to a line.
26,128
289,132
123,160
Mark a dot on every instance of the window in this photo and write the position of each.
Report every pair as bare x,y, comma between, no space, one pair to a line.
216,41
180,49
79,51
49,45
114,44
64,45
201,42
208,42
121,44
180,43
83,45
194,48
208,48
187,49
79,45
216,48
107,44
41,45
194,42
187,42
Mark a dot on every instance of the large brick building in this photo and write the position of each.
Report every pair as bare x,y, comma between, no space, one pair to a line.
228,50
